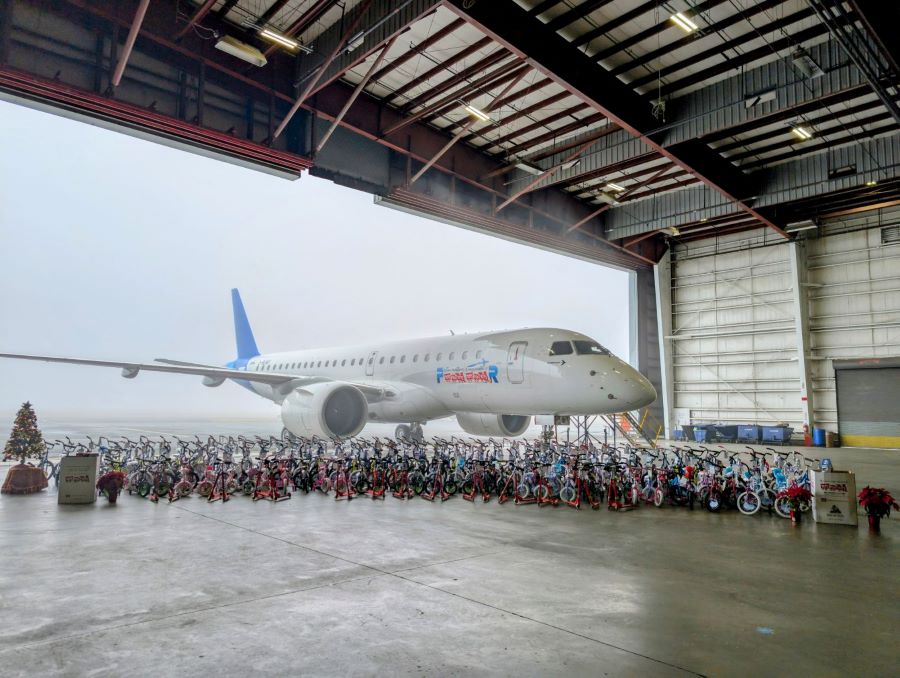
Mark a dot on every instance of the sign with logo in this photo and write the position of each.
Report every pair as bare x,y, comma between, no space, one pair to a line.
476,373
834,497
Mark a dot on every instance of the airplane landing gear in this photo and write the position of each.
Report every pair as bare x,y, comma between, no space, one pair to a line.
411,432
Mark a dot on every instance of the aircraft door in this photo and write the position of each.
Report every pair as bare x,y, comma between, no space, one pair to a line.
515,362
370,364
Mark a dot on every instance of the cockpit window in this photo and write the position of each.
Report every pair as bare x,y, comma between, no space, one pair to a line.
589,348
561,348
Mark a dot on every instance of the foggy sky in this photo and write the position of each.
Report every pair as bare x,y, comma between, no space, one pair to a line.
118,248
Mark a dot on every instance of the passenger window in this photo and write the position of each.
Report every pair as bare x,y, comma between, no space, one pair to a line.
465,355
561,348
381,362
427,357
403,359
478,355
361,361
352,362
416,358
319,364
392,359
438,357
343,362
450,357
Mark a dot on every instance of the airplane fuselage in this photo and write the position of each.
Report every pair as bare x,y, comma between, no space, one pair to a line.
509,372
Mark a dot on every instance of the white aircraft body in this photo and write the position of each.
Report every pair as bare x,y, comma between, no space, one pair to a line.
493,382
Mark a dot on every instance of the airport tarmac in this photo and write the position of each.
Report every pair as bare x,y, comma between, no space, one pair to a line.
317,587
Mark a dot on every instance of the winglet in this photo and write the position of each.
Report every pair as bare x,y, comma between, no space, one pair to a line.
243,335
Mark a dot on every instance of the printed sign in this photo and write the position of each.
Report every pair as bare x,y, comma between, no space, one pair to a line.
477,373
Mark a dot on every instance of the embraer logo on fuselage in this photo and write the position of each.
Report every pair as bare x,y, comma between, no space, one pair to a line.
469,375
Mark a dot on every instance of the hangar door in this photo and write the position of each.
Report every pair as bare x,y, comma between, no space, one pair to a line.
868,402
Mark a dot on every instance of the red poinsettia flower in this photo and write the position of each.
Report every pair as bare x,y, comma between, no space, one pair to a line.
877,501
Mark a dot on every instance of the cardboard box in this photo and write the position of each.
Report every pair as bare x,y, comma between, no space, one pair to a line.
78,479
834,497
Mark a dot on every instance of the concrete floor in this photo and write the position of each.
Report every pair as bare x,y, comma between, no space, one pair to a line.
317,587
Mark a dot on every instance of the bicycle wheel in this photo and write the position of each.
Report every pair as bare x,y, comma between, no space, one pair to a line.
542,492
204,488
659,498
468,486
524,490
143,488
748,503
766,499
714,502
567,494
783,507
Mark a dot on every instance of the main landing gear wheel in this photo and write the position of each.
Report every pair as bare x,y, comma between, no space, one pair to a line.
411,432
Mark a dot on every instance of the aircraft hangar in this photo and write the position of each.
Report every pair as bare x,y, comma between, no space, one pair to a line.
738,157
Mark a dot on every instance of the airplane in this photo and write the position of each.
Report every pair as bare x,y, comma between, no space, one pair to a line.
492,382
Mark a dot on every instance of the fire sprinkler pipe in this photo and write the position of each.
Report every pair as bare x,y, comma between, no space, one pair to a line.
129,43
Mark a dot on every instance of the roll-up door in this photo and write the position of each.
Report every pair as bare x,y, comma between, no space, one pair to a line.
868,402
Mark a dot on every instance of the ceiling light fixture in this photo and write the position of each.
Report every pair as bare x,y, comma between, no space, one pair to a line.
528,167
278,38
804,63
615,187
805,225
355,42
478,113
683,22
241,50
802,133
871,182
842,171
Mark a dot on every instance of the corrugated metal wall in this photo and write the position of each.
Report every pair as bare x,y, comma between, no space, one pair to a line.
734,344
734,326
854,301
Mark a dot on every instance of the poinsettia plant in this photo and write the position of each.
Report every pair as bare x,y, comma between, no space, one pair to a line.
111,482
877,501
798,495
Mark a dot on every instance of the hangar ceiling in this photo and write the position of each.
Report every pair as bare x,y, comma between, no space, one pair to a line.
607,129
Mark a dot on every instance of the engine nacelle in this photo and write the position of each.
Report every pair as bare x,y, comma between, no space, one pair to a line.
493,425
325,410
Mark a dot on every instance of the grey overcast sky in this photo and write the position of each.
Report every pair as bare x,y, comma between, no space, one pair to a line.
119,248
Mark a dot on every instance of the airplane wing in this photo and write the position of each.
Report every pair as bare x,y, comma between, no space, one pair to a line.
131,369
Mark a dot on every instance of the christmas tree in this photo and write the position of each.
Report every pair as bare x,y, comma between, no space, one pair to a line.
26,440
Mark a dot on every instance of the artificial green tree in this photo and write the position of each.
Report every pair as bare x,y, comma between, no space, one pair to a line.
25,441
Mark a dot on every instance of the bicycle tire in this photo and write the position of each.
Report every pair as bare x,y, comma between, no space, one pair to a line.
748,503
714,502
567,494
143,488
783,507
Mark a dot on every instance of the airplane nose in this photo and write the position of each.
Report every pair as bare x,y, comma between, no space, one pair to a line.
640,391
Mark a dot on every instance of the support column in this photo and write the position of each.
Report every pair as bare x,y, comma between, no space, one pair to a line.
800,280
662,276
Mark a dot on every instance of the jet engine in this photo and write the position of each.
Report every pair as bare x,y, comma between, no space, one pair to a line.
499,425
325,410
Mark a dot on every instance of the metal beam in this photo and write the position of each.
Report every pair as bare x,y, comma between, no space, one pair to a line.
880,19
534,183
129,42
437,69
423,46
510,25
578,12
465,128
318,76
456,78
305,20
198,16
581,222
361,85
492,79
799,279
272,10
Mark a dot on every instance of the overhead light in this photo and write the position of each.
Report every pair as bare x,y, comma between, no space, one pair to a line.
355,42
241,50
528,167
615,187
481,115
673,230
683,22
805,64
871,182
278,38
842,171
802,133
805,225
703,220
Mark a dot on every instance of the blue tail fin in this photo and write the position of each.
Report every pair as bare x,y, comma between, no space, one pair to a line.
243,335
